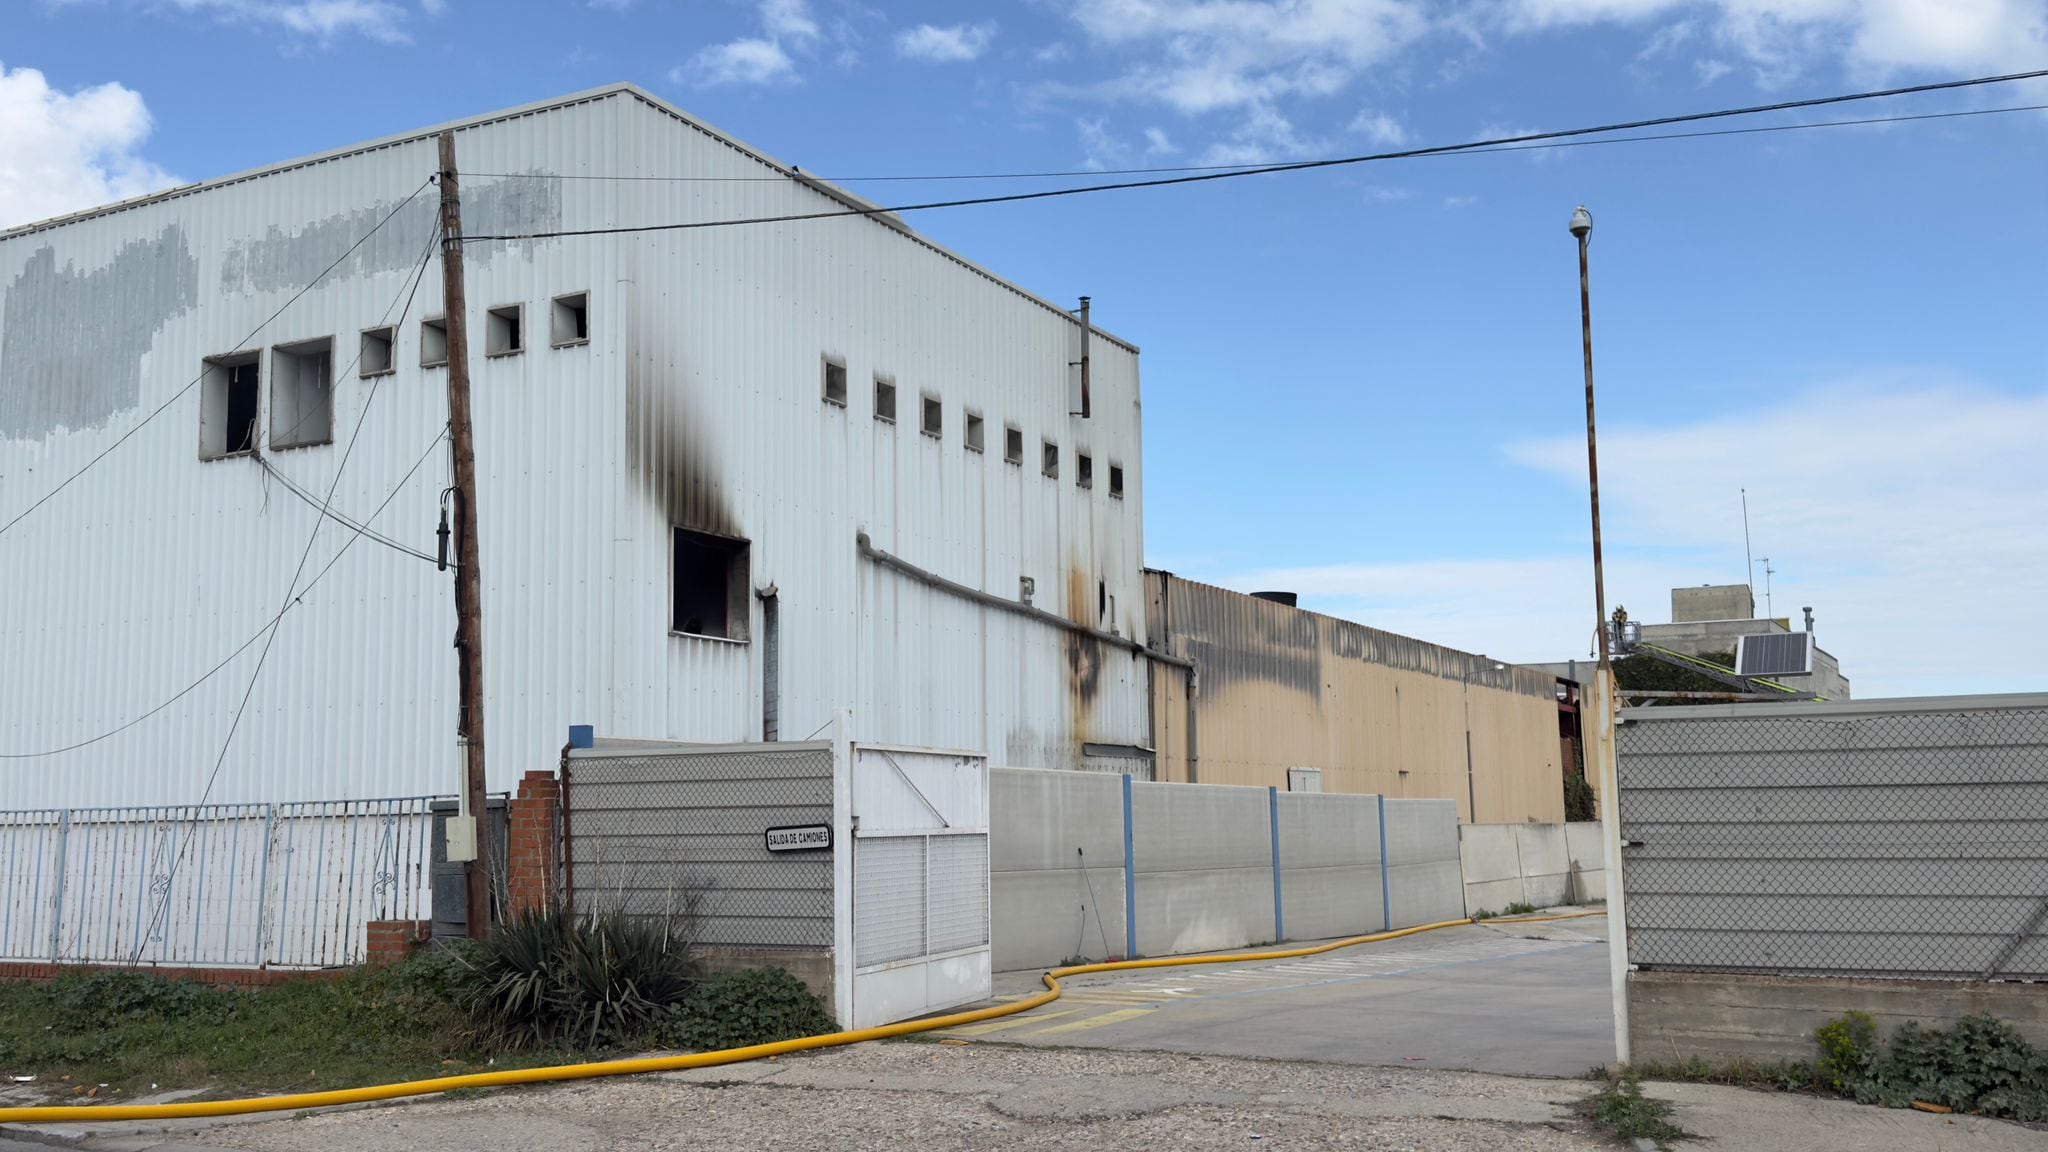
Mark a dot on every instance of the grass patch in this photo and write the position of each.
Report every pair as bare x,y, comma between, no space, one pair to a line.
1519,908
136,1033
1622,1111
1792,1077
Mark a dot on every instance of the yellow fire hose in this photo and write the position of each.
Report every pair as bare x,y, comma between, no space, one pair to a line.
203,1108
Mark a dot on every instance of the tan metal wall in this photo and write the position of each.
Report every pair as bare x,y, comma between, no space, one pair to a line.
1280,687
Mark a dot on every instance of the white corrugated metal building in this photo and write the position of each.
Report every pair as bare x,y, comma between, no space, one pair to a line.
723,381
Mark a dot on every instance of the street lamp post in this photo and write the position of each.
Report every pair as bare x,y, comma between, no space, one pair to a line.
1609,782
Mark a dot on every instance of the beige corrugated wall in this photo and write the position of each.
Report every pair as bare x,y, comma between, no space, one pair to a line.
1282,688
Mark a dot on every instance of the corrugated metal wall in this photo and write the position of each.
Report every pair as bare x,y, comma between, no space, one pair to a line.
1378,713
696,402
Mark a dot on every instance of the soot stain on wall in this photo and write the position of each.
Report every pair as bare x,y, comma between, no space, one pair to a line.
72,341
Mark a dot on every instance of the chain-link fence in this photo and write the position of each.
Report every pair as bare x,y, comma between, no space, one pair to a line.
679,834
1905,838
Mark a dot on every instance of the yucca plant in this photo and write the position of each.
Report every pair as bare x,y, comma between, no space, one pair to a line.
592,981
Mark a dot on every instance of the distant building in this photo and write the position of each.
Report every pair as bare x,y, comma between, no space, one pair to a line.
1714,621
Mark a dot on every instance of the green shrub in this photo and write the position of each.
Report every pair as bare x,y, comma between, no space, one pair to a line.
1981,1065
1848,1051
737,1009
552,979
1578,799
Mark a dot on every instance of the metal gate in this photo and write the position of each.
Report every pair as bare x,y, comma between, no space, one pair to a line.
920,882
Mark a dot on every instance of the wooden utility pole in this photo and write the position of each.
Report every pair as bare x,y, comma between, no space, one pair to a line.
469,632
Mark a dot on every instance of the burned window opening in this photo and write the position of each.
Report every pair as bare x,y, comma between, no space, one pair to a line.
379,352
710,586
569,320
835,383
504,330
229,400
885,400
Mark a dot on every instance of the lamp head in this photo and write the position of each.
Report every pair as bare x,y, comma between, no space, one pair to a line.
1582,222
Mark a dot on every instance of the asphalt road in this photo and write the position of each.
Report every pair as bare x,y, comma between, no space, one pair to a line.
1528,1000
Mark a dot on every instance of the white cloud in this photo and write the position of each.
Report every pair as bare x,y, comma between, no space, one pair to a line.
1460,201
440,7
1711,70
1379,128
951,45
1906,513
1262,137
1387,195
743,61
1057,50
1099,149
1157,143
758,60
68,151
319,19
610,5
1781,38
1199,56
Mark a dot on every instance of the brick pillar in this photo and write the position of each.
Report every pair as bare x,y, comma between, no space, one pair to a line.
393,940
531,880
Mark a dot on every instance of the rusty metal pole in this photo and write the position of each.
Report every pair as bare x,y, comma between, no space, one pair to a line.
1582,227
1087,339
469,638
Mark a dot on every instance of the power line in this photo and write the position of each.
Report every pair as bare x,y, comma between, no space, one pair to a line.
339,517
290,593
1164,169
1297,166
258,634
180,393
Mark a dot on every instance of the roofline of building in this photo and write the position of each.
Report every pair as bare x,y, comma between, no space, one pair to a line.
1840,709
876,212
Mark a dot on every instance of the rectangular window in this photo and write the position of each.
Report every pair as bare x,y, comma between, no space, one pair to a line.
377,354
569,320
433,342
835,383
710,590
974,432
1084,470
934,417
302,394
504,330
885,399
1013,444
227,405
1049,459
1116,481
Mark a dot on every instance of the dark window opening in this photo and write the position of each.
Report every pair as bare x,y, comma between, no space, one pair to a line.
1116,481
228,403
1084,470
1101,601
835,383
885,400
1013,444
934,417
1050,459
569,320
973,432
710,592
503,334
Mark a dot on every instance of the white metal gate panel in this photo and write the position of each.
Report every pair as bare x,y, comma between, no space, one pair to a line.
921,897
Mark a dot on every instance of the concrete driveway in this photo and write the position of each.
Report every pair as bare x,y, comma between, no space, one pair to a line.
1526,1000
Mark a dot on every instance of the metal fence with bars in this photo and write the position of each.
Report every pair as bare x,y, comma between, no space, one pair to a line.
228,885
1900,838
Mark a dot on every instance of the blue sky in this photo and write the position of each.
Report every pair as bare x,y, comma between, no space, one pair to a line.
1363,384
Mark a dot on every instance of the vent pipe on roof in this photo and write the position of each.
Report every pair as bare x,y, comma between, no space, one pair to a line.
1809,617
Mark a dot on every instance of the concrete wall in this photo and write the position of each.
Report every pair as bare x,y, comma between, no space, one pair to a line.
1203,866
1425,879
1540,864
1380,714
1722,1017
1056,866
1329,865
1712,602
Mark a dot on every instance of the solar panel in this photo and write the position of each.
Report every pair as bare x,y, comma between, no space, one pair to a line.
1774,654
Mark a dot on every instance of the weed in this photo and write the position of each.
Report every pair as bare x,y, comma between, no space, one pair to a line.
1848,1050
1484,914
1519,908
1622,1111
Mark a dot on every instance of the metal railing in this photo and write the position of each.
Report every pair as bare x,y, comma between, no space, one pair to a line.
229,885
